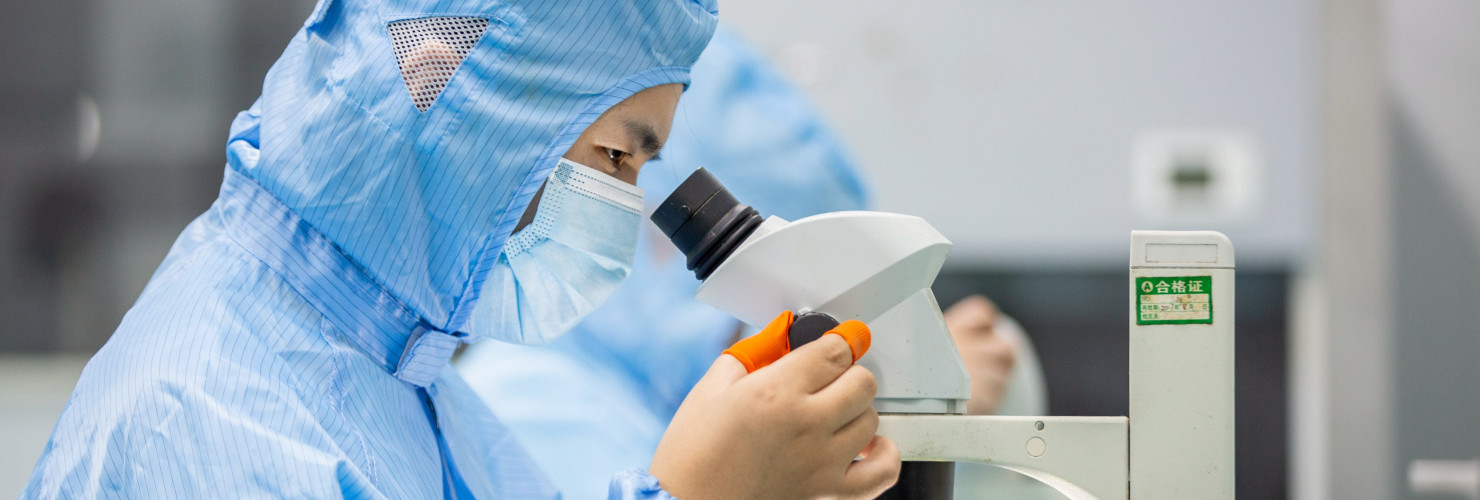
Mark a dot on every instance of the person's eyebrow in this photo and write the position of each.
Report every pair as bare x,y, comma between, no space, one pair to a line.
647,138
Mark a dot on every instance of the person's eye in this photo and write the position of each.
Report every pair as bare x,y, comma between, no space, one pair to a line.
616,157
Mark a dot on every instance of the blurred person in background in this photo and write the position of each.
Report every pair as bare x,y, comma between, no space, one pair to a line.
599,398
416,176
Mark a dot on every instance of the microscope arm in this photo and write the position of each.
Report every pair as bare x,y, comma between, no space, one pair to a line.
1081,457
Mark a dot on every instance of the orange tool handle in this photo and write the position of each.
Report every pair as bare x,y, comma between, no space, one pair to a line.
773,342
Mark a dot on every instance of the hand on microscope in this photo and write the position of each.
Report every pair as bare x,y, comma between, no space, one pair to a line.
988,356
760,425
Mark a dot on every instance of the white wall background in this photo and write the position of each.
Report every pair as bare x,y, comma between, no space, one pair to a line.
1009,125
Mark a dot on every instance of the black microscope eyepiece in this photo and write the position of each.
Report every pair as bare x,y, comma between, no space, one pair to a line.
705,221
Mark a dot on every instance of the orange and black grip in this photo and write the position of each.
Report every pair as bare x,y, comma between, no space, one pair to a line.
788,332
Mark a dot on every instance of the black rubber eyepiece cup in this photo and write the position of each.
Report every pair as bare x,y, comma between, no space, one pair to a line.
705,221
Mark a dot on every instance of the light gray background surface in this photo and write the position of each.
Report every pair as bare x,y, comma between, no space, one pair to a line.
1009,125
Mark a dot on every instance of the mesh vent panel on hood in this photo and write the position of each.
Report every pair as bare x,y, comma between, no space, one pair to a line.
429,50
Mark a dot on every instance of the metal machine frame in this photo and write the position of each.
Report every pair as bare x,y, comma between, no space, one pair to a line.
1178,441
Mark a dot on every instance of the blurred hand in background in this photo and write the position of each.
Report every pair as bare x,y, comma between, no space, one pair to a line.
989,357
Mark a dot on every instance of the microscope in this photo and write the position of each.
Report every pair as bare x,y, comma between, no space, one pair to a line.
875,267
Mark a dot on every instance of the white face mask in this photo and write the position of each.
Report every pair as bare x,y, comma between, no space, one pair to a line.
566,262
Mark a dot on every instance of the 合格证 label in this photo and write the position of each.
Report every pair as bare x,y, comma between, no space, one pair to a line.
1177,300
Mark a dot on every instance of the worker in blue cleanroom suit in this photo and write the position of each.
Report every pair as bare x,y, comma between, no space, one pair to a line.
415,176
599,398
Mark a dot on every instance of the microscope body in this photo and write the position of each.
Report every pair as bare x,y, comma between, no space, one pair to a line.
870,266
873,267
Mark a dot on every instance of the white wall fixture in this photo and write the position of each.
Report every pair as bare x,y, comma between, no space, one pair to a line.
1198,177
1445,477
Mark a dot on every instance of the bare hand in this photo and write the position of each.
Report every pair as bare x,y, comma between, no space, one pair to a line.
989,357
788,430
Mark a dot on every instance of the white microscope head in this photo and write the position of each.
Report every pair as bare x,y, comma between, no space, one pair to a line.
874,267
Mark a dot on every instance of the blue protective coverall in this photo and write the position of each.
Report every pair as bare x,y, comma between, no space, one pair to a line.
599,398
295,341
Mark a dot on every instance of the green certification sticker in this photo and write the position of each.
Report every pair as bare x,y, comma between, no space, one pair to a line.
1180,300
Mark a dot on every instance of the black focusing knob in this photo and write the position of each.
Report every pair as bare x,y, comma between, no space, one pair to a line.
808,327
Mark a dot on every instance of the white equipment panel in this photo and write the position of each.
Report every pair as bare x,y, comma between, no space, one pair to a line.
1178,441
